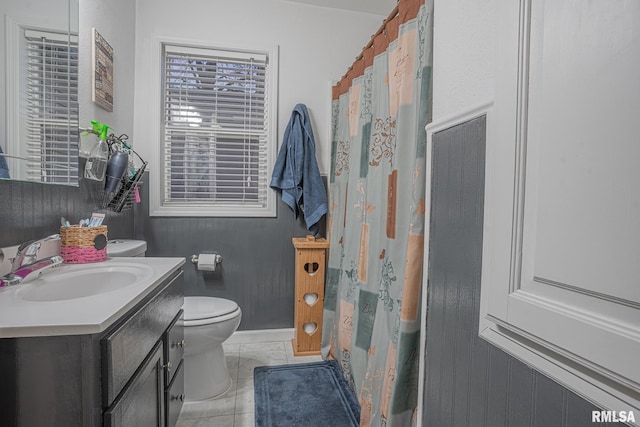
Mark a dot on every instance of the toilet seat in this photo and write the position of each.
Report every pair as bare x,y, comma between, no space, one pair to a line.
205,310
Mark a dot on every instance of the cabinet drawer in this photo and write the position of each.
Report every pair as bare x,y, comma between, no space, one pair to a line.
141,404
174,345
126,347
175,396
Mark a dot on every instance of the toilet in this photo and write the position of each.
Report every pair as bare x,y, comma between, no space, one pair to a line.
126,248
208,322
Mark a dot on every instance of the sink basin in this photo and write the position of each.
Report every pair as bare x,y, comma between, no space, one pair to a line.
81,281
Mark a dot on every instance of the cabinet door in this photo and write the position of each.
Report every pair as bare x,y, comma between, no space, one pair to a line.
141,403
174,346
175,396
126,347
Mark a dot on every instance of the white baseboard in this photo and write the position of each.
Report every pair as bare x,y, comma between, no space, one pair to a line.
260,335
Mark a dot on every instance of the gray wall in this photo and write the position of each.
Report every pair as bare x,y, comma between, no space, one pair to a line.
30,210
470,382
258,267
258,264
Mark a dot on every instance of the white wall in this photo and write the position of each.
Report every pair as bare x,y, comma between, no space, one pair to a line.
114,20
316,46
463,55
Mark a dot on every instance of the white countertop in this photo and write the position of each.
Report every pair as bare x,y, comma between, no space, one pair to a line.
20,317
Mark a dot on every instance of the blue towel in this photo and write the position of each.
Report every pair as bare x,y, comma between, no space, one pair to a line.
4,168
296,172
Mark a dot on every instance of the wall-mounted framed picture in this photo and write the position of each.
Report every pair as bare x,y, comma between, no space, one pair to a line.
102,60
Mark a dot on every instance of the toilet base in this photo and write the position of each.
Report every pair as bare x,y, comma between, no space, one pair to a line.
206,375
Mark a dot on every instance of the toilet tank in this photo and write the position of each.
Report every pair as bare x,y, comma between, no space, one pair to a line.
126,248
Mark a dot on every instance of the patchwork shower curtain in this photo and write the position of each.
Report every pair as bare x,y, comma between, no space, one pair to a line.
376,221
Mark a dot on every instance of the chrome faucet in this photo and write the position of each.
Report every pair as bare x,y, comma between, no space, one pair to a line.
32,259
28,251
29,272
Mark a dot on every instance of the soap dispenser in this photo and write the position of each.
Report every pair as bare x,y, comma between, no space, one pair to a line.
97,162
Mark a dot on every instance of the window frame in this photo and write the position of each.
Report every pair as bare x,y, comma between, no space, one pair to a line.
195,209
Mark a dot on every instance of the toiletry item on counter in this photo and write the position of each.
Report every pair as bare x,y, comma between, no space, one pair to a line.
97,163
81,245
116,168
96,219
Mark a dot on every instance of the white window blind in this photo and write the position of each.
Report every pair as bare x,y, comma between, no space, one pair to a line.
215,128
52,107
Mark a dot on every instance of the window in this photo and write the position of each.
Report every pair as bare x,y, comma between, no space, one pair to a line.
42,103
217,138
51,101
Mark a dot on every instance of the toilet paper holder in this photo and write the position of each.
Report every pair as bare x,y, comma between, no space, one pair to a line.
217,258
206,262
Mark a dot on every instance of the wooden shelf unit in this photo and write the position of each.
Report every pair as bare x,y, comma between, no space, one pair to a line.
310,276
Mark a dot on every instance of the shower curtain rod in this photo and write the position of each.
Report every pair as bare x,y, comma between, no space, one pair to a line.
391,15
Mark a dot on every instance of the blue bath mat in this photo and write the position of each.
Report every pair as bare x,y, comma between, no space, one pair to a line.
305,395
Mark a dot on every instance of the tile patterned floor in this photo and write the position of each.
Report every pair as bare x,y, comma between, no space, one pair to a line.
236,408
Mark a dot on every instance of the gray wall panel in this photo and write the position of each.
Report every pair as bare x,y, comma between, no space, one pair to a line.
258,264
519,410
30,210
470,382
258,267
433,393
478,394
548,402
498,387
578,412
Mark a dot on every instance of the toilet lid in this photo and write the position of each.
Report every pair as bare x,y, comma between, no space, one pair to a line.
125,247
196,308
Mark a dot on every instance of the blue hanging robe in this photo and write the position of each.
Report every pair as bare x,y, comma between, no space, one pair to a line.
296,173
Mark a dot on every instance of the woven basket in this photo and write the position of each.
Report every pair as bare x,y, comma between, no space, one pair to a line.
81,245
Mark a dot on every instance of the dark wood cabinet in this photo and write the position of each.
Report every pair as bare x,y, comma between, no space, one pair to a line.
141,403
128,375
174,346
126,345
174,396
174,372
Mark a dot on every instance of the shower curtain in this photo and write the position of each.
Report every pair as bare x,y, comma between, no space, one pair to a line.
376,224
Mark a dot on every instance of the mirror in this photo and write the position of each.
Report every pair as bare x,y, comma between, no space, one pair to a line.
39,116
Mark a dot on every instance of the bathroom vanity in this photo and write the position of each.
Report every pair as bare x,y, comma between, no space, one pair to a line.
109,357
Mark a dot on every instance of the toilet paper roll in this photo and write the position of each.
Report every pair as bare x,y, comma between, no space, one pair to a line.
207,262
